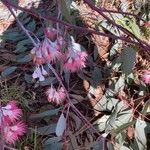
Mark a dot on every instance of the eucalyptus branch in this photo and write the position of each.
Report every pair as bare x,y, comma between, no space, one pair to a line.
80,29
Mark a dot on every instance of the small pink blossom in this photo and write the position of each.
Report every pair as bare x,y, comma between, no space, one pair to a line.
62,94
13,132
11,112
48,51
75,58
146,76
51,50
56,96
37,55
39,72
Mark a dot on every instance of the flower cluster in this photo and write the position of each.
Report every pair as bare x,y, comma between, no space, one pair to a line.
56,96
50,50
146,76
75,58
9,128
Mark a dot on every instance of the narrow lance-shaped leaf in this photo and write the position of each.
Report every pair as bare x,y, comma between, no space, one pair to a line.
8,71
61,125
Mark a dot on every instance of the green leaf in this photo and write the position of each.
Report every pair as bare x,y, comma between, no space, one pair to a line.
124,116
141,130
120,84
109,27
26,20
128,57
101,122
114,49
110,146
28,78
111,121
39,32
22,16
13,36
107,102
21,46
31,26
53,143
8,71
98,145
48,113
48,81
24,59
61,125
46,130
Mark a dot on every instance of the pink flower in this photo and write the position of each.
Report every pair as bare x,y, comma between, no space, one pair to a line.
146,76
51,50
37,55
13,132
48,51
56,96
11,112
75,58
62,94
39,72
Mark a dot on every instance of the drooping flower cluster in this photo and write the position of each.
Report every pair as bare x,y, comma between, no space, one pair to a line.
56,96
50,50
9,128
75,58
146,76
